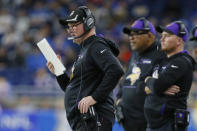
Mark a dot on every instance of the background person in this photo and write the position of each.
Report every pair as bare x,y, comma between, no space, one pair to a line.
169,112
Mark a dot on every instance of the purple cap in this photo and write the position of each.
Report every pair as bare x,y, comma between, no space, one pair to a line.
140,24
194,34
177,28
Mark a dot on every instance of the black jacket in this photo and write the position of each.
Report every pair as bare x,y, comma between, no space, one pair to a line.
95,73
132,85
176,70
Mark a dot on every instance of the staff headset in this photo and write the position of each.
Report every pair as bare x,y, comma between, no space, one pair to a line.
194,30
145,22
182,31
89,21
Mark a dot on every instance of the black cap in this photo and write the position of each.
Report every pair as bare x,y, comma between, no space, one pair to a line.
75,16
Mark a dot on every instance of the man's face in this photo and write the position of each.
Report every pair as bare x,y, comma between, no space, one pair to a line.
138,40
75,30
168,42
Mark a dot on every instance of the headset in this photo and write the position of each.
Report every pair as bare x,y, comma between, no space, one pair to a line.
89,21
145,22
194,30
182,31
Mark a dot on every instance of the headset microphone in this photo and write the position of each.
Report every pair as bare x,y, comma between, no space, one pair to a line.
71,38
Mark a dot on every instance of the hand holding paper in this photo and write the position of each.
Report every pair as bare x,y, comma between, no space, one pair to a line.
50,56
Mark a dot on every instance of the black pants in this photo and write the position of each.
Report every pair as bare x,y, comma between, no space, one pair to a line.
131,124
90,125
128,126
133,128
168,127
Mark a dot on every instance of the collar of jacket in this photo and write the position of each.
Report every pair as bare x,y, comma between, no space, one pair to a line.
87,41
177,55
153,46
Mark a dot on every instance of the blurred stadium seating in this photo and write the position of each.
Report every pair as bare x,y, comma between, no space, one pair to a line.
28,92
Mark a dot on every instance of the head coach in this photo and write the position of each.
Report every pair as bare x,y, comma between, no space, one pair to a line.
88,90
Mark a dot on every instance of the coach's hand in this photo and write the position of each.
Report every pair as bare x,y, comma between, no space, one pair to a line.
118,101
51,67
147,90
85,103
172,90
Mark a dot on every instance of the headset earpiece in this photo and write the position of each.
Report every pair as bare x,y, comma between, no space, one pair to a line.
89,21
194,30
182,31
145,22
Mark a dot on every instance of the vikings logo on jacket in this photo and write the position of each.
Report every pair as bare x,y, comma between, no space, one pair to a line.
135,75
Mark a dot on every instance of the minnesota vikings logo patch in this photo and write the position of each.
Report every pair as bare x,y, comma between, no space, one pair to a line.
134,76
72,74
